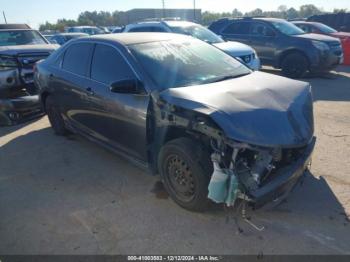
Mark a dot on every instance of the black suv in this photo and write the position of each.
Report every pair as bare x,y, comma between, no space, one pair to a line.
283,45
20,48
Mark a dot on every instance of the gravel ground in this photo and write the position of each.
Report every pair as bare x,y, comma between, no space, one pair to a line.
69,196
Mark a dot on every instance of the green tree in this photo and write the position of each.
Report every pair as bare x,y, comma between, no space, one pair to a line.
255,12
292,13
309,10
236,13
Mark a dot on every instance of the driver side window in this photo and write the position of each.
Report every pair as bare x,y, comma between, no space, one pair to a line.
109,66
259,29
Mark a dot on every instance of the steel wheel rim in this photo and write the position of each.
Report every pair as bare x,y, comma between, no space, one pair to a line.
180,178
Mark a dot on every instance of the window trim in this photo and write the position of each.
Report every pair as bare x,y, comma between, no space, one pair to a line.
89,60
121,55
264,24
235,22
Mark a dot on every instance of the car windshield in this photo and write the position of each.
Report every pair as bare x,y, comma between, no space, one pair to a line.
21,37
325,29
186,62
287,28
198,32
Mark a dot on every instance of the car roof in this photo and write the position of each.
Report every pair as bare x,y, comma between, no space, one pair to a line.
268,19
14,26
68,34
306,22
140,24
179,23
83,26
135,38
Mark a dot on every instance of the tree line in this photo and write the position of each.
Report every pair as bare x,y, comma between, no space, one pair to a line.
103,18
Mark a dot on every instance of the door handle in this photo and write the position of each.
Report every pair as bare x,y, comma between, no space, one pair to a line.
90,91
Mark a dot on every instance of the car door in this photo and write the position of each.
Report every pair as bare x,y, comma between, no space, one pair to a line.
237,31
69,87
264,40
117,119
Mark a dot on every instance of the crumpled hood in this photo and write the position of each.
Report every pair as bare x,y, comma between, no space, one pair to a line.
234,48
318,37
259,109
22,49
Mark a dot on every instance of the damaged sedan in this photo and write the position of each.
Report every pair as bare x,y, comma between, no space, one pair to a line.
211,127
20,48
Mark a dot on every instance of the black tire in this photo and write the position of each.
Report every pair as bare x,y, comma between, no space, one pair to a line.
294,65
55,117
186,168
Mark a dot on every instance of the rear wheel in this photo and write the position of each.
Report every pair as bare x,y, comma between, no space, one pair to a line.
55,117
186,168
294,65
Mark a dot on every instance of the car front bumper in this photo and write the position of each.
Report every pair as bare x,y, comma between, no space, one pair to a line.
328,60
17,110
284,181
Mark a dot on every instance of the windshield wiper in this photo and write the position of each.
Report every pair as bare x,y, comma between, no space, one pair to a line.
227,77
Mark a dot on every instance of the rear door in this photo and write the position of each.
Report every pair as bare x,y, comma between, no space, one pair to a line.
116,119
69,83
237,31
264,40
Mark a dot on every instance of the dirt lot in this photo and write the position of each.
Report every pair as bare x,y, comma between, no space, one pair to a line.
69,196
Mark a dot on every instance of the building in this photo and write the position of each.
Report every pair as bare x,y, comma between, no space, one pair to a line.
135,15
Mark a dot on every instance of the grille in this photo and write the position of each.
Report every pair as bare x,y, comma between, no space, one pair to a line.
27,61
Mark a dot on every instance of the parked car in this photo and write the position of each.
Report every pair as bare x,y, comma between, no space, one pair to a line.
20,48
283,45
244,53
339,21
169,102
49,38
63,38
117,29
90,30
319,28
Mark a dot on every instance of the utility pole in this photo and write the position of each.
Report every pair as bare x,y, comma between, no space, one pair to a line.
194,10
3,12
163,2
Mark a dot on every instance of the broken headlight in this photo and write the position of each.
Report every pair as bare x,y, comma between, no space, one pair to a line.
8,62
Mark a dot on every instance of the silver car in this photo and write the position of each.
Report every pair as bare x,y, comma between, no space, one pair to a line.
242,52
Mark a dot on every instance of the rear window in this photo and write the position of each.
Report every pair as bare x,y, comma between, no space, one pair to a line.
76,58
21,37
237,28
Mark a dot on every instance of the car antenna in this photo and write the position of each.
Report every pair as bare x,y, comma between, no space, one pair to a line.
3,13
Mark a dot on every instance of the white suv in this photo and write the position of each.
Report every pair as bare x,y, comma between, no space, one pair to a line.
242,52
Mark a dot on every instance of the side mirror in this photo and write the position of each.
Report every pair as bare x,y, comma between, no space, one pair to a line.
127,86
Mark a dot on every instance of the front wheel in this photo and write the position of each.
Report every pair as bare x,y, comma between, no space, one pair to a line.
294,65
185,169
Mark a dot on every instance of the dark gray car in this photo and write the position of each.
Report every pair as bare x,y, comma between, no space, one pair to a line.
283,45
179,106
20,48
